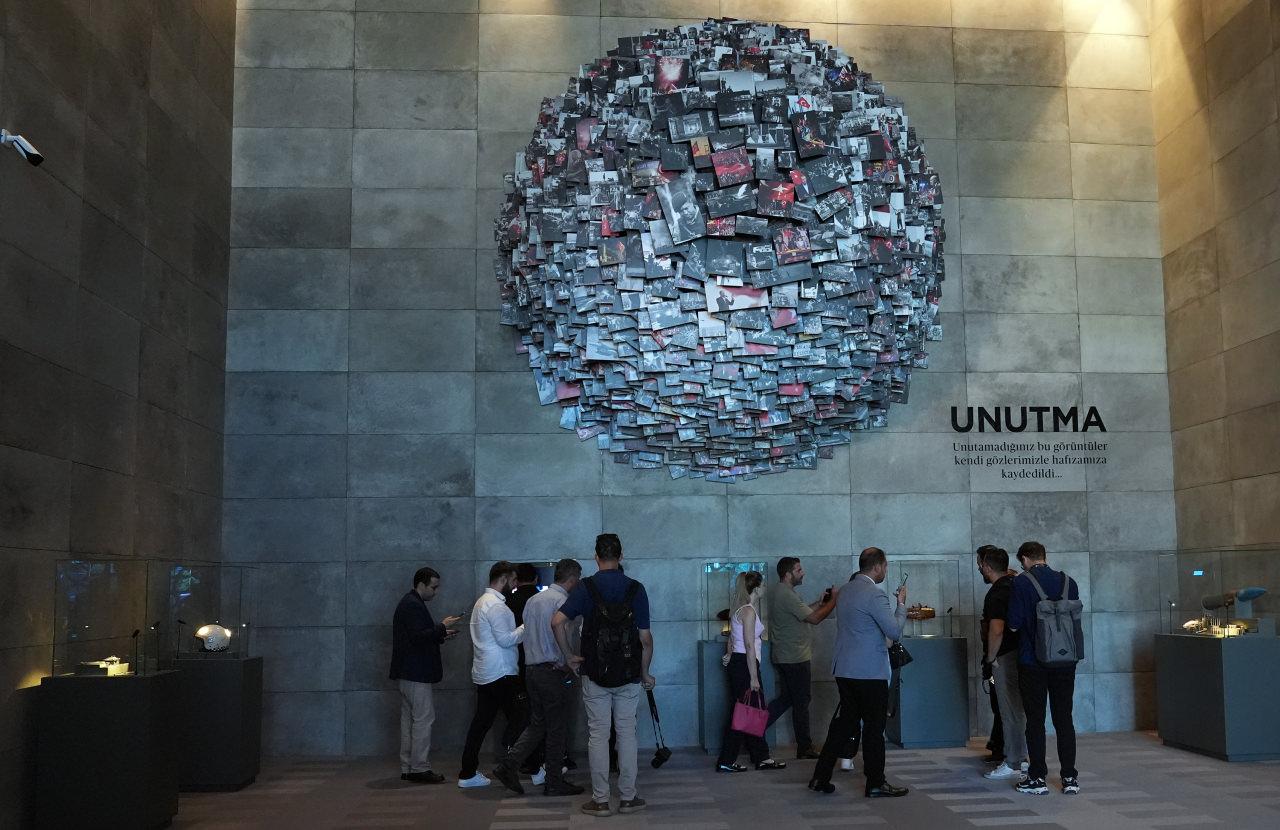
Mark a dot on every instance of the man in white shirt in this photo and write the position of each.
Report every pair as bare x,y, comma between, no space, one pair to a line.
494,669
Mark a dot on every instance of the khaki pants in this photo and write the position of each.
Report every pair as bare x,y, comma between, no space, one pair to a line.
1013,720
417,714
603,705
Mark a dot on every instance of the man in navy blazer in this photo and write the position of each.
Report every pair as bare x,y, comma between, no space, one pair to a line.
865,625
415,665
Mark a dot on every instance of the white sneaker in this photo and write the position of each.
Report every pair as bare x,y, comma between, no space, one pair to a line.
477,780
540,777
846,765
1002,771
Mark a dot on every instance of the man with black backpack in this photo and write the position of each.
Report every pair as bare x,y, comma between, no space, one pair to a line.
617,648
1046,612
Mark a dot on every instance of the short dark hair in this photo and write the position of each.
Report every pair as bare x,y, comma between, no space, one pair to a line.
984,550
997,559
870,558
526,572
424,575
501,569
1033,551
785,564
567,569
608,547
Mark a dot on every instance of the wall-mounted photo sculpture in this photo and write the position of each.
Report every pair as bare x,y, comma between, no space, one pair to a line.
722,251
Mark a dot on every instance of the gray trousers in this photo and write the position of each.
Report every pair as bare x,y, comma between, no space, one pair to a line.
619,706
1012,718
417,714
550,704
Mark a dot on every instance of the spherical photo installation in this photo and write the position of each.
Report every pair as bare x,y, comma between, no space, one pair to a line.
721,251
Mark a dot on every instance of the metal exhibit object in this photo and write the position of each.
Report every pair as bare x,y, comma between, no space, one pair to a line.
213,637
722,251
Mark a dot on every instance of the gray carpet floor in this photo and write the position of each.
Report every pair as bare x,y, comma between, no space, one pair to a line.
1130,781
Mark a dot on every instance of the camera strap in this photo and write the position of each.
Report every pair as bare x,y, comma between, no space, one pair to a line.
657,722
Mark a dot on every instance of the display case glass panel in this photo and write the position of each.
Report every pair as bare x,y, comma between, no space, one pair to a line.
933,594
98,618
718,581
199,610
1221,592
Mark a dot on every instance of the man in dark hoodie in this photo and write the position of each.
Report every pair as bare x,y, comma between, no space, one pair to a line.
415,666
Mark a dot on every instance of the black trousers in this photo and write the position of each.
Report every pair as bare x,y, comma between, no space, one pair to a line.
739,685
1059,685
865,704
996,742
504,695
550,705
795,684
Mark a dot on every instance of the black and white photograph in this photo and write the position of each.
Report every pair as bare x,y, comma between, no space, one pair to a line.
682,211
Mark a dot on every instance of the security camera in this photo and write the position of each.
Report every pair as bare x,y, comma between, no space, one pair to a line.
25,148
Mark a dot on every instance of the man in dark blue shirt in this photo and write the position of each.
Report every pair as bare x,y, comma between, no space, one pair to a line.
605,703
415,666
1035,681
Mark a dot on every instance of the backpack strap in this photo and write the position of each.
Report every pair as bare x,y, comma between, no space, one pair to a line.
1036,583
594,591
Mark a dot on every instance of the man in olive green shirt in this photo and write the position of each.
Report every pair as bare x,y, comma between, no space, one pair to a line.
792,647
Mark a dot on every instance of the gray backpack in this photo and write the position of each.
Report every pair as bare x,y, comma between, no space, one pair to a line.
1059,635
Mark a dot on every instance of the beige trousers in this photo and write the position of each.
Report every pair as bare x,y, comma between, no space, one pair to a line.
417,714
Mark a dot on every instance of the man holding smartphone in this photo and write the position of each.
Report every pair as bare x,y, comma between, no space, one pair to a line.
415,666
790,618
865,623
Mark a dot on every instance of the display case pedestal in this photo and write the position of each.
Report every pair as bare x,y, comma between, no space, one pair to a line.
221,727
107,751
930,702
713,693
1214,695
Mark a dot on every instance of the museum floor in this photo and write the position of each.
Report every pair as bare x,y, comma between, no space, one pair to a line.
1130,781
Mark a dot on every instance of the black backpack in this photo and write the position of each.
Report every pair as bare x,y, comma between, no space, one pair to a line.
611,642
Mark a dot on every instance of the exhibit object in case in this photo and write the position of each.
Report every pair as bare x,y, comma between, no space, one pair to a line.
1218,652
98,616
929,703
107,751
203,615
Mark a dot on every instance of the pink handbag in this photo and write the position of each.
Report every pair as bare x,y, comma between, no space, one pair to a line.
748,717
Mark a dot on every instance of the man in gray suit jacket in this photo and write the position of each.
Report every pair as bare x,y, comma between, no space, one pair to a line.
864,627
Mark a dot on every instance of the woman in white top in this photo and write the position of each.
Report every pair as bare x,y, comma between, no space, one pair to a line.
745,628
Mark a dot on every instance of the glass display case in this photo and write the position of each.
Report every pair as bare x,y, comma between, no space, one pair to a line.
98,616
933,594
1220,592
198,610
718,579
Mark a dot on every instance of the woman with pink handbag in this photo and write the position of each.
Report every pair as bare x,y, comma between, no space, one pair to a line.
750,714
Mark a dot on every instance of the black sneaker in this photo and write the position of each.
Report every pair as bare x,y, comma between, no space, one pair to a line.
509,777
824,787
561,788
427,777
769,763
730,768
595,808
1032,786
634,805
1070,786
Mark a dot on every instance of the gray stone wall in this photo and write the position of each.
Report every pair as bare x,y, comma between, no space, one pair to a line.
113,280
378,418
1218,157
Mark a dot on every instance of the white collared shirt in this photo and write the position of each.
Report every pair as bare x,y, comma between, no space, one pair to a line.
494,635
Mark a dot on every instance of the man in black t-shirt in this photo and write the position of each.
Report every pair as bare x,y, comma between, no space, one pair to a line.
1000,660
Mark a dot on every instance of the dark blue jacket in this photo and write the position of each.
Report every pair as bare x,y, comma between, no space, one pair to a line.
415,642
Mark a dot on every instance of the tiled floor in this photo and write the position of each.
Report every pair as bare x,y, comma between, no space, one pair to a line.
1130,782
